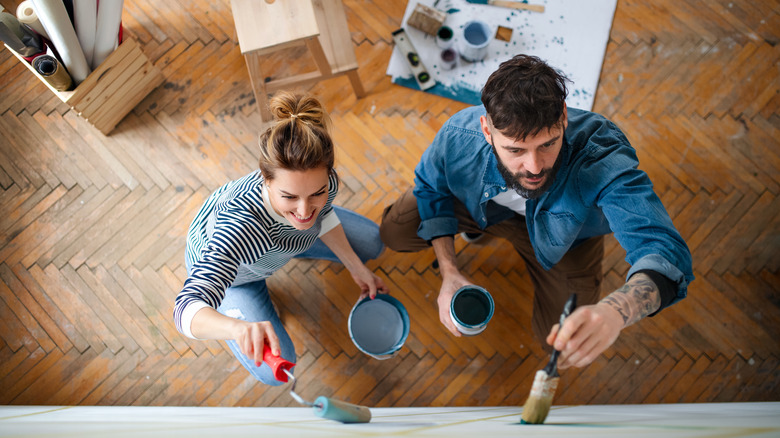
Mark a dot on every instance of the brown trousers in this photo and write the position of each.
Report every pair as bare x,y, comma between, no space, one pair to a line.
579,271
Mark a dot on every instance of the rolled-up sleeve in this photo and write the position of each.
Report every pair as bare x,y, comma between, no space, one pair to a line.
434,198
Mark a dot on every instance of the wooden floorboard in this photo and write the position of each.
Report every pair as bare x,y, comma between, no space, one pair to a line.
93,227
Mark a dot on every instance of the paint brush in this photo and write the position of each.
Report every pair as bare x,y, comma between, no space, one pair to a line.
509,4
545,383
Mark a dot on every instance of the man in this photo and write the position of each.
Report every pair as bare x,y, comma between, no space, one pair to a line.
553,181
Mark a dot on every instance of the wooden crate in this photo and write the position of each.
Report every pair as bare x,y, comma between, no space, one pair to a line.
113,89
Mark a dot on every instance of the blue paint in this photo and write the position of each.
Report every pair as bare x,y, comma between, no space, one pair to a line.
461,94
475,34
453,11
379,327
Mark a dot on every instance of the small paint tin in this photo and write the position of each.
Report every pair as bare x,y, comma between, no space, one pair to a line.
445,37
379,327
474,40
470,309
449,59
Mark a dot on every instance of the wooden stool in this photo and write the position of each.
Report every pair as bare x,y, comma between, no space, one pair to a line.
321,25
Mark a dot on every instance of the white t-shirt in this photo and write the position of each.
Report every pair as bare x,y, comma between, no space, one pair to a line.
511,200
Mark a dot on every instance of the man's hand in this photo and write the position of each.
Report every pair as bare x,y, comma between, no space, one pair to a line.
451,279
590,330
449,286
586,333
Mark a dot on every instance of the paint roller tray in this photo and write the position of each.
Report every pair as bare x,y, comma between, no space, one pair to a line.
113,89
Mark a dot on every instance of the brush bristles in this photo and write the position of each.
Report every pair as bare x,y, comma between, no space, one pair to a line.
540,399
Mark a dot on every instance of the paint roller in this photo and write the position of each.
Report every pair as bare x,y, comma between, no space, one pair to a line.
324,407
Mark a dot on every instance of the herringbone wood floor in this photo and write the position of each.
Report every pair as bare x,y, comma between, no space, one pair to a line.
92,228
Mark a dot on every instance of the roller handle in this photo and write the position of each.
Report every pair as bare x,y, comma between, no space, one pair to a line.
277,363
342,411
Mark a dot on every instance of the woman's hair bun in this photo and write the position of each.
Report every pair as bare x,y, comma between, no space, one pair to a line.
299,138
303,107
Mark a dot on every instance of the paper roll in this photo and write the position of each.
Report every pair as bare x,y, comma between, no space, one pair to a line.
85,22
26,14
54,73
54,18
109,16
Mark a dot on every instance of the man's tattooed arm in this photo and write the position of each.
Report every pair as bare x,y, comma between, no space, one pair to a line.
636,299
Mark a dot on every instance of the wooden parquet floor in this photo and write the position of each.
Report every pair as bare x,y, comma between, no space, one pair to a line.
92,227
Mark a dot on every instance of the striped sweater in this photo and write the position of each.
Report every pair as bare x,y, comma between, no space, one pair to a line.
237,238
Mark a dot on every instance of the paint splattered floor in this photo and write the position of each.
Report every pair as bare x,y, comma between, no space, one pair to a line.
669,421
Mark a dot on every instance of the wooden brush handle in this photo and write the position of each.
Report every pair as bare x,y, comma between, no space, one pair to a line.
516,5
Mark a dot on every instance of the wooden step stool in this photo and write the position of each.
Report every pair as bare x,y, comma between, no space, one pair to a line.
264,27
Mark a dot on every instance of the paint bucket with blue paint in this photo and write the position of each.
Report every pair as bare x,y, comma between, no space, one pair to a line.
379,327
470,309
474,40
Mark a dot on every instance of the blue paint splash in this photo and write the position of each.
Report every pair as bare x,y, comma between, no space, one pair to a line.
459,94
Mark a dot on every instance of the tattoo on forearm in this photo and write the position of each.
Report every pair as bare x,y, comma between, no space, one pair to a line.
636,299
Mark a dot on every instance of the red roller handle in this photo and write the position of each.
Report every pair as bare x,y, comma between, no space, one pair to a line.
277,363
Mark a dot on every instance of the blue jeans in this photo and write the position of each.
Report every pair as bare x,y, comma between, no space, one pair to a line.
252,302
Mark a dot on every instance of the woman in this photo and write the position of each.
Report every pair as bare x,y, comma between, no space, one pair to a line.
251,227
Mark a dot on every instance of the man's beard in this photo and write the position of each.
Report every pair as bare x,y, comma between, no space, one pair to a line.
513,179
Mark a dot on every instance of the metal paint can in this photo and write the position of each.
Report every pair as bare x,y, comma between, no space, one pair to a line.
470,309
379,327
445,37
474,40
449,59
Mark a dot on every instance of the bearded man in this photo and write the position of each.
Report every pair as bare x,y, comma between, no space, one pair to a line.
552,181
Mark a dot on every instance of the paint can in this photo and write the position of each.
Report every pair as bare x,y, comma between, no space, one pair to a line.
474,40
449,59
470,309
445,37
379,327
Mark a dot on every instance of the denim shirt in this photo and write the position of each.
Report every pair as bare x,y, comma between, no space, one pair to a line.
598,190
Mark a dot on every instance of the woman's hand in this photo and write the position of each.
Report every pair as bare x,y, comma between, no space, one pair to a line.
370,284
252,336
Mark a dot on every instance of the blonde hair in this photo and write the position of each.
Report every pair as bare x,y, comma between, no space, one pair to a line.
299,138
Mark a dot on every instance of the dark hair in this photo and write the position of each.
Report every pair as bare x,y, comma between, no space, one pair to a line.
524,96
299,138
